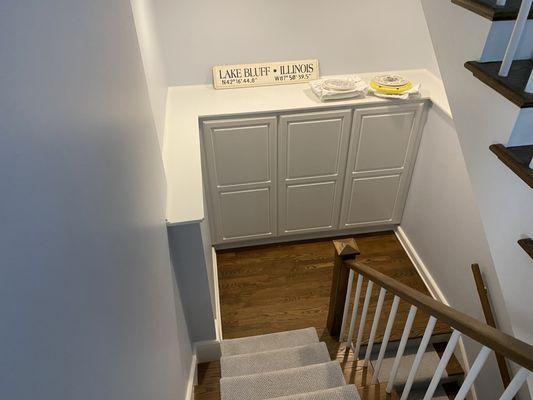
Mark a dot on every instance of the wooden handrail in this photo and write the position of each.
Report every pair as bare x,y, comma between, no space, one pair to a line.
510,347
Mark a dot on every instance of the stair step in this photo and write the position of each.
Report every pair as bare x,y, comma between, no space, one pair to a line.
425,373
348,392
419,393
274,360
271,341
511,87
430,360
453,369
392,346
517,159
527,245
286,382
489,9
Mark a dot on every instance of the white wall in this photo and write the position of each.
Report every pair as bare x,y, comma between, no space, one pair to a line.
149,43
483,117
346,35
442,222
191,259
87,299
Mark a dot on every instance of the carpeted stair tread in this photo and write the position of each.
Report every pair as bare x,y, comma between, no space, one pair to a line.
348,392
454,367
430,360
271,341
286,382
274,360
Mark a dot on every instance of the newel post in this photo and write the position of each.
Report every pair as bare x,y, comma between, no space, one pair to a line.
344,249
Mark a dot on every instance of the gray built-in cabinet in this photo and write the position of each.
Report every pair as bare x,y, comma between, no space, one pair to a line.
308,173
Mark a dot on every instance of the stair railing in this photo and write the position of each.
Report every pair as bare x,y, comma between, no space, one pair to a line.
514,41
347,269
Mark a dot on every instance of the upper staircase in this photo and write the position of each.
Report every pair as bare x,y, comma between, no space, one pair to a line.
493,9
506,66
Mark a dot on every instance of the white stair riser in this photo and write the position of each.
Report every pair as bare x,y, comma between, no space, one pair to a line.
498,39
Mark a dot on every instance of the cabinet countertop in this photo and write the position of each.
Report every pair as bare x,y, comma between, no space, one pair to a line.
186,104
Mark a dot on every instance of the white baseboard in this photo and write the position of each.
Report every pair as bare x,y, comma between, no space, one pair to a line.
422,269
207,350
305,236
192,379
218,318
436,293
204,351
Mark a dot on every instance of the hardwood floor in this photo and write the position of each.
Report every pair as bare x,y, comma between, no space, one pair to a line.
286,286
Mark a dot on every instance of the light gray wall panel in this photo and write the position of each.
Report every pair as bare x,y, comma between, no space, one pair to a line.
245,213
346,36
312,150
87,301
373,200
311,206
190,266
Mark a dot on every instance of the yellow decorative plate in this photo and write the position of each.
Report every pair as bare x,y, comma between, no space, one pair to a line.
391,89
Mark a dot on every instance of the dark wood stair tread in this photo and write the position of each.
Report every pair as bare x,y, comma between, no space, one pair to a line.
517,159
489,9
512,87
527,245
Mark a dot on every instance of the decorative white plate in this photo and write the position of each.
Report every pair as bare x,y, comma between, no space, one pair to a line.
391,80
339,85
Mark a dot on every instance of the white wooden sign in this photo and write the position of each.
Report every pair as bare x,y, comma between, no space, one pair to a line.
264,74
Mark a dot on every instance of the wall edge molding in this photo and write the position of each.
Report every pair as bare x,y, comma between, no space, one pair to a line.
421,268
218,317
189,395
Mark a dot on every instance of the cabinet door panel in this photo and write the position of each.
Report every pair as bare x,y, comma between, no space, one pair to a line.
313,147
241,154
312,150
383,141
373,199
380,162
245,214
310,206
240,157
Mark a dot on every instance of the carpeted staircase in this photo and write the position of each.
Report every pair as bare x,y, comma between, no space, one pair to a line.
295,365
451,377
290,365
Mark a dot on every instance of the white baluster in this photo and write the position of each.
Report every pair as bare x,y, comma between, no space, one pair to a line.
514,41
354,310
418,358
386,337
448,352
473,373
375,324
515,384
369,287
401,348
346,303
